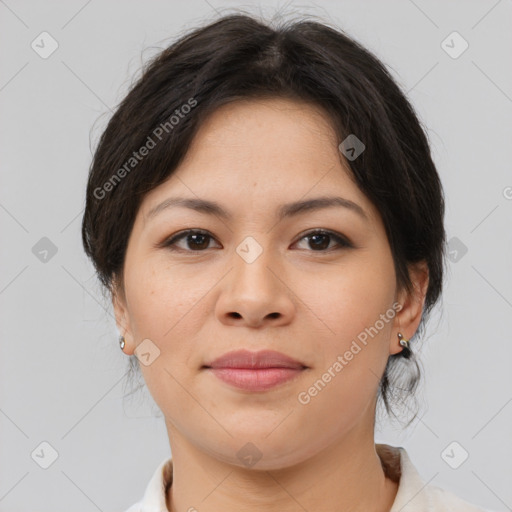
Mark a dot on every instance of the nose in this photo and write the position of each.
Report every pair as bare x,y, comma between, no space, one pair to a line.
255,294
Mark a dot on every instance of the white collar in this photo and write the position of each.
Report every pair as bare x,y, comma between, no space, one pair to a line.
413,495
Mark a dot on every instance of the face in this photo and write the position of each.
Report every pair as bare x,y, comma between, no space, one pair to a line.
315,283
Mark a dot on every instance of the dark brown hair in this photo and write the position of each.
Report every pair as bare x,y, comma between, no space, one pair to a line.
238,57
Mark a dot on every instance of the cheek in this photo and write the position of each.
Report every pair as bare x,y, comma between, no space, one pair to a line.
352,350
350,304
159,299
164,305
349,298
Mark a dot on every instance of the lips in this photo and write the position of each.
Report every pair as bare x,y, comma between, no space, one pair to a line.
255,371
244,359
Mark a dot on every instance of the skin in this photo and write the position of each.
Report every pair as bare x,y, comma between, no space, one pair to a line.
251,157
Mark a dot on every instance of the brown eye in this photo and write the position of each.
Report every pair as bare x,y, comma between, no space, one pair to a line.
319,241
199,241
195,241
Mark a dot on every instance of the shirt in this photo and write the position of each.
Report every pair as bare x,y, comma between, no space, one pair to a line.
413,494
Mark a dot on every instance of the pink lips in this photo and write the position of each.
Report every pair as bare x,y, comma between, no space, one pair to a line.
255,371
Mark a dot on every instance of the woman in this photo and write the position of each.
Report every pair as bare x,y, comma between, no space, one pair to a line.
265,213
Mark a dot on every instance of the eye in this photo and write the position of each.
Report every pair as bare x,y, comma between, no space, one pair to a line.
195,240
320,240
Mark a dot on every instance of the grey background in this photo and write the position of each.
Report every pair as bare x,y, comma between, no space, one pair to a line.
61,371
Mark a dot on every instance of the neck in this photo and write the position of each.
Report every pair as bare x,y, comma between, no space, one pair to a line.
347,475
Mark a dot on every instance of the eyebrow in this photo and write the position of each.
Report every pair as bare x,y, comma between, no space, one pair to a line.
285,210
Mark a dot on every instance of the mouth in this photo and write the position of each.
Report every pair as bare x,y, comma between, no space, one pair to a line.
255,371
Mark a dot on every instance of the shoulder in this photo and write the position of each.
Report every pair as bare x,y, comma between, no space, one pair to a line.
154,499
136,507
445,501
414,494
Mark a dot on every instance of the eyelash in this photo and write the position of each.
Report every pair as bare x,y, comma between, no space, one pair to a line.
170,243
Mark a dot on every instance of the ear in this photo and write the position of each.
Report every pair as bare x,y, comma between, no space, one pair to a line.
122,317
408,318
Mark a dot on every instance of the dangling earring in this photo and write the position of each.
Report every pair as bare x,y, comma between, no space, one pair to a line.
406,351
121,342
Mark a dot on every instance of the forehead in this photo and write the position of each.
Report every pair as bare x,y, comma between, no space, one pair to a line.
257,153
249,122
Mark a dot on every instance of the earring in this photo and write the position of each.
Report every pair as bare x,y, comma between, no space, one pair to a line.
121,342
406,351
403,342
